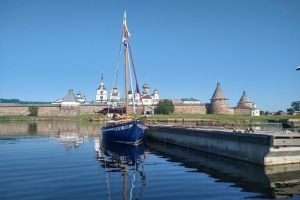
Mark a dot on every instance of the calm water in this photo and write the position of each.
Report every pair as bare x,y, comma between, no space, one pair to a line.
69,161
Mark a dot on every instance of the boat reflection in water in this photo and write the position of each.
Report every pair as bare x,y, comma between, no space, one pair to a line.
122,165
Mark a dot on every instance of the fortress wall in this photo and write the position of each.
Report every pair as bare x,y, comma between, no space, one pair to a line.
242,111
49,110
190,109
14,110
86,109
57,110
230,111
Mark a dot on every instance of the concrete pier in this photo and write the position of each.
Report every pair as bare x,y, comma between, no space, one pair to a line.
264,148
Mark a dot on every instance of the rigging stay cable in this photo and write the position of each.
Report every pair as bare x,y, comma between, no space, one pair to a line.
118,63
137,84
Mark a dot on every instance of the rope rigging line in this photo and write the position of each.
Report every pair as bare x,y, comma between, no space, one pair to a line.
136,80
117,67
131,86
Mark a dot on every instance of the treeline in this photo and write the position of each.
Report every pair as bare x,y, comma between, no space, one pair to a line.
295,107
17,101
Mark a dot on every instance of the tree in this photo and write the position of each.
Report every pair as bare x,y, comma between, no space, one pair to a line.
279,112
261,112
33,110
165,107
290,111
296,105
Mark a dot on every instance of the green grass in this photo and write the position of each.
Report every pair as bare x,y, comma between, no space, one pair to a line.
49,118
171,116
224,117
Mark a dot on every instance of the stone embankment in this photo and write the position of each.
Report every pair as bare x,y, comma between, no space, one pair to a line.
49,110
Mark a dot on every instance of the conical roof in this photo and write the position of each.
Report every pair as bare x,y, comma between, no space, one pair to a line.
102,86
70,97
218,94
244,98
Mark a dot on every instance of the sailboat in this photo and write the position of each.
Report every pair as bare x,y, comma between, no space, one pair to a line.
124,129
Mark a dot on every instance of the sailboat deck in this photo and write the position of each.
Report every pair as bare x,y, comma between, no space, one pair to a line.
118,121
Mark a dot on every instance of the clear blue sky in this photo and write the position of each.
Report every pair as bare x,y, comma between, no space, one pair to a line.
182,48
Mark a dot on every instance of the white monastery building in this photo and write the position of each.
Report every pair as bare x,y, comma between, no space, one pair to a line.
101,92
254,110
115,99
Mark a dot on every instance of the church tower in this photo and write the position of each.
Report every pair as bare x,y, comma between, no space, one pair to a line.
130,95
146,89
101,92
218,101
254,110
155,94
115,94
137,96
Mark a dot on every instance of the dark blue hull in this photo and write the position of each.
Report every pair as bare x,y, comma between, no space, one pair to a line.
130,132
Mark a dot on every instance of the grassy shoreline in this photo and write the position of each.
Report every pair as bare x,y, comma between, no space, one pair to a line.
263,118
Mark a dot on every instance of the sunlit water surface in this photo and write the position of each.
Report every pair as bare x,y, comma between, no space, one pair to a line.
69,161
